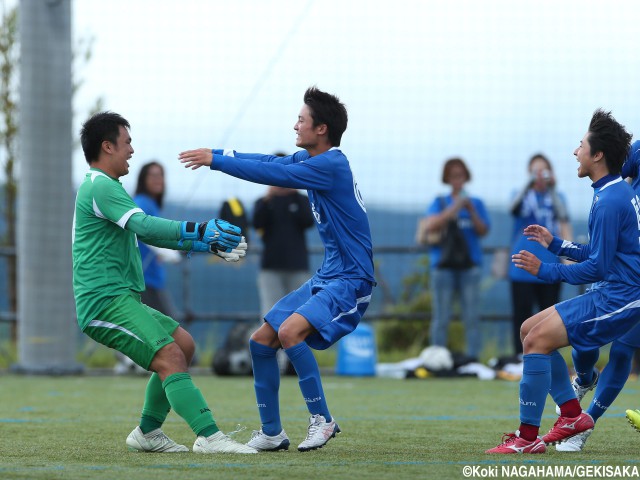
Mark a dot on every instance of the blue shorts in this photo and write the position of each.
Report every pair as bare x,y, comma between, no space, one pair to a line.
601,315
333,307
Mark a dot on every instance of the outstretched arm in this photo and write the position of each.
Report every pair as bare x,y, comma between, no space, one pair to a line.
194,159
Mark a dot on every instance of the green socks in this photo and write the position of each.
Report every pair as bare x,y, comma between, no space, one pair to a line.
156,406
187,401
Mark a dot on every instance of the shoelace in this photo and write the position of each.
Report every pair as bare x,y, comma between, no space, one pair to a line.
239,428
313,427
160,436
508,438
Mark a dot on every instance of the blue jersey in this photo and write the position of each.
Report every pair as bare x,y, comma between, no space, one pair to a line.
154,274
335,200
536,209
613,252
631,167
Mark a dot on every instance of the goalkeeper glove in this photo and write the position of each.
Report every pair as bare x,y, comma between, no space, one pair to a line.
233,256
221,234
224,235
190,231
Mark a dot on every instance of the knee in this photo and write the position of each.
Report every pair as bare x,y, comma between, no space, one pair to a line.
266,336
289,335
532,343
169,359
524,331
185,342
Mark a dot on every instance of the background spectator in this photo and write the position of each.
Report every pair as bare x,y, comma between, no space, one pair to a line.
537,203
457,269
281,218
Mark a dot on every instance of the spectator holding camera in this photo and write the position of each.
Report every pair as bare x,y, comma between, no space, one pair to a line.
538,203
453,226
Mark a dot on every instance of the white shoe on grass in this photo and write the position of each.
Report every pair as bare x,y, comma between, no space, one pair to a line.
580,390
220,443
574,444
319,433
266,443
153,441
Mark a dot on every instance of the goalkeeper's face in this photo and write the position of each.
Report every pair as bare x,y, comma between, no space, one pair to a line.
121,153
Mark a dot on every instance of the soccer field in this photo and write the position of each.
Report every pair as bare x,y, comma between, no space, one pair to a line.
75,427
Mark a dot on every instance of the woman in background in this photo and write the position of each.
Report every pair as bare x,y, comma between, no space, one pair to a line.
463,274
538,203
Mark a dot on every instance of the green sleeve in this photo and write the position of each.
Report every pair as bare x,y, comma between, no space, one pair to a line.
171,244
156,231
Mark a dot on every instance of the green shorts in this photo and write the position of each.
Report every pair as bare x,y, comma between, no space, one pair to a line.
132,328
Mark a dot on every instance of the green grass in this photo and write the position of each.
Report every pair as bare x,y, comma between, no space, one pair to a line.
75,427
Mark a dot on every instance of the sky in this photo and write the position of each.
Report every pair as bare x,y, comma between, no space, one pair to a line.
490,81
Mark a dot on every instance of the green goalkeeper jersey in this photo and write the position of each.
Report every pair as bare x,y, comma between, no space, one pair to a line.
106,259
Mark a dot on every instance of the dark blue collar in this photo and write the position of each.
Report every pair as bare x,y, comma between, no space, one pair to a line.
604,180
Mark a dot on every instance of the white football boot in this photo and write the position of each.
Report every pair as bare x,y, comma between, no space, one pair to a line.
220,443
575,443
319,432
265,443
580,390
153,441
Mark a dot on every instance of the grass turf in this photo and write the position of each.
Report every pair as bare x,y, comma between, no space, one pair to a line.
75,427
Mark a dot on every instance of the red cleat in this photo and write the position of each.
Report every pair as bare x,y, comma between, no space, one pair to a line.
568,427
512,443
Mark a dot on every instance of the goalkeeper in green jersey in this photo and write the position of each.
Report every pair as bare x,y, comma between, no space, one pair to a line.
107,281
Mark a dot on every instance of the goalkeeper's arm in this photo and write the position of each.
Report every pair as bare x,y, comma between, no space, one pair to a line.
161,232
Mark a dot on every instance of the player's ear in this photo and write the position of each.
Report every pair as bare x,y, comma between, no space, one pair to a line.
107,146
322,129
598,157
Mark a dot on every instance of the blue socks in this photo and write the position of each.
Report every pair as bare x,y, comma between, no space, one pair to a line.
583,363
534,387
561,390
612,379
306,366
266,381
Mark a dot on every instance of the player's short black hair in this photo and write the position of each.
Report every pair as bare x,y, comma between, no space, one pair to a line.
100,127
141,186
326,108
611,138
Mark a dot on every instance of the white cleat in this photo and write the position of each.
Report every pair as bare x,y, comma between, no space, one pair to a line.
580,390
265,443
319,433
153,441
220,443
575,443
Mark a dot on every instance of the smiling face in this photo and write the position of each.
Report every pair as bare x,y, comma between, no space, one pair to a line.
307,136
585,159
118,154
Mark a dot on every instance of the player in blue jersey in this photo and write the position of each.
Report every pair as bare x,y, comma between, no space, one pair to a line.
611,260
615,374
330,304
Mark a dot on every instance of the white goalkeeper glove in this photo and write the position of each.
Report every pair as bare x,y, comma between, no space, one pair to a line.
233,256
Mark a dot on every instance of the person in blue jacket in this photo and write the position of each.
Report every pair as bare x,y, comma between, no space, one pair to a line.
611,260
538,203
459,274
330,304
